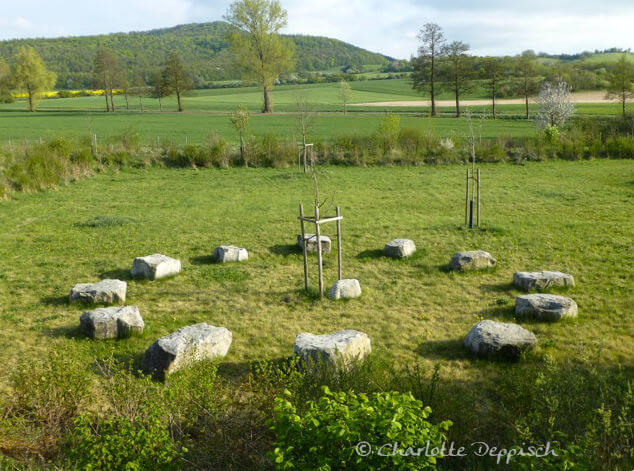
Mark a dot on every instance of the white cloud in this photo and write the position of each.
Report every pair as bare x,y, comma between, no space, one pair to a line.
22,23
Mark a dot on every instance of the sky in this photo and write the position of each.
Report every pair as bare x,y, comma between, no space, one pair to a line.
495,27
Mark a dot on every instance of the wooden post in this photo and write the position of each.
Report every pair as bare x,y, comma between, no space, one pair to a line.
339,270
319,258
478,196
301,215
466,203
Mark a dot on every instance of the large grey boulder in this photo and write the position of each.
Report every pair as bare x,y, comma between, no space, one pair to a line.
112,322
339,350
548,307
471,260
345,289
105,291
187,345
311,243
155,266
528,281
230,253
490,339
399,248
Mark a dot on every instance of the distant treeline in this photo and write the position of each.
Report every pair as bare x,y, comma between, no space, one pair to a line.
203,47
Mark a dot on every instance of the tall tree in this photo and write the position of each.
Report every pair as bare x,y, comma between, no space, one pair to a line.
260,52
106,73
526,70
425,65
5,80
29,73
456,70
621,83
493,73
176,79
344,93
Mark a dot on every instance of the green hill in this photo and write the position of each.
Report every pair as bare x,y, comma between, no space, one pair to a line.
203,46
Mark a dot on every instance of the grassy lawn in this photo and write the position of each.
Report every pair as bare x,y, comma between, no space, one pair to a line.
574,217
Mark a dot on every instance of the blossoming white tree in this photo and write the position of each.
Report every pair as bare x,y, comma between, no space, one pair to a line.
555,104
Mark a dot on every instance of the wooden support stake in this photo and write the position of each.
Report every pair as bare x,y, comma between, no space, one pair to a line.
466,204
478,196
319,258
339,269
301,216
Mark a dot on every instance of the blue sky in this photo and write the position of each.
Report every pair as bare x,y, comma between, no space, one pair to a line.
386,26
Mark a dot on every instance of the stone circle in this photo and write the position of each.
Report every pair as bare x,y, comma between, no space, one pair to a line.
528,281
311,243
548,307
338,350
471,260
187,345
155,266
230,253
399,248
498,339
112,322
345,289
104,291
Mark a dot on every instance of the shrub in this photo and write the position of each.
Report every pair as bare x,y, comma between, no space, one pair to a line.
325,436
388,132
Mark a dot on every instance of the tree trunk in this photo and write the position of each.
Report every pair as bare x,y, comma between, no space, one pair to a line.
267,99
431,83
493,97
105,94
241,147
160,103
28,89
112,101
141,102
624,99
178,99
457,88
526,96
127,105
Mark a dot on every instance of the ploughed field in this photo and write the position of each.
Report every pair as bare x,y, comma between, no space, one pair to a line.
569,216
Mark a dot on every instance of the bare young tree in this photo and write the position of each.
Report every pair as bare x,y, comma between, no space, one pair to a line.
555,104
344,93
425,65
526,71
456,70
240,122
305,119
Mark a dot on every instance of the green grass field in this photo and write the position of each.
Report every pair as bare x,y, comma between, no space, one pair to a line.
573,217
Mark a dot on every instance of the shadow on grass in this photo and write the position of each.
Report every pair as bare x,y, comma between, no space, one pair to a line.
443,349
118,274
499,312
204,260
69,332
55,300
285,250
496,287
370,254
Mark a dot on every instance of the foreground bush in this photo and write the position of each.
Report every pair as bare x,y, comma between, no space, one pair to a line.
332,433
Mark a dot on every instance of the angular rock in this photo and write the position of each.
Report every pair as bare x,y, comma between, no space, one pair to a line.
399,248
105,291
112,322
311,243
547,307
339,350
345,289
528,281
230,253
187,345
472,260
155,266
498,339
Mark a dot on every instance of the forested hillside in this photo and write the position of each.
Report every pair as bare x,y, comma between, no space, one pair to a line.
202,46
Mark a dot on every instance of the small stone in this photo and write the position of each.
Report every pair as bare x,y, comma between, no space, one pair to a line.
187,345
472,260
112,322
339,350
489,339
345,289
399,248
528,281
155,266
311,243
105,291
230,253
548,307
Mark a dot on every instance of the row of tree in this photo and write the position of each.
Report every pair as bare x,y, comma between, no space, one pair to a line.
447,65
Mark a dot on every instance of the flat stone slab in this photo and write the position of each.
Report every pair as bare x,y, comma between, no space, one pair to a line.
537,280
105,291
345,289
547,307
230,253
187,345
339,350
471,260
311,243
112,322
498,339
155,266
399,248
